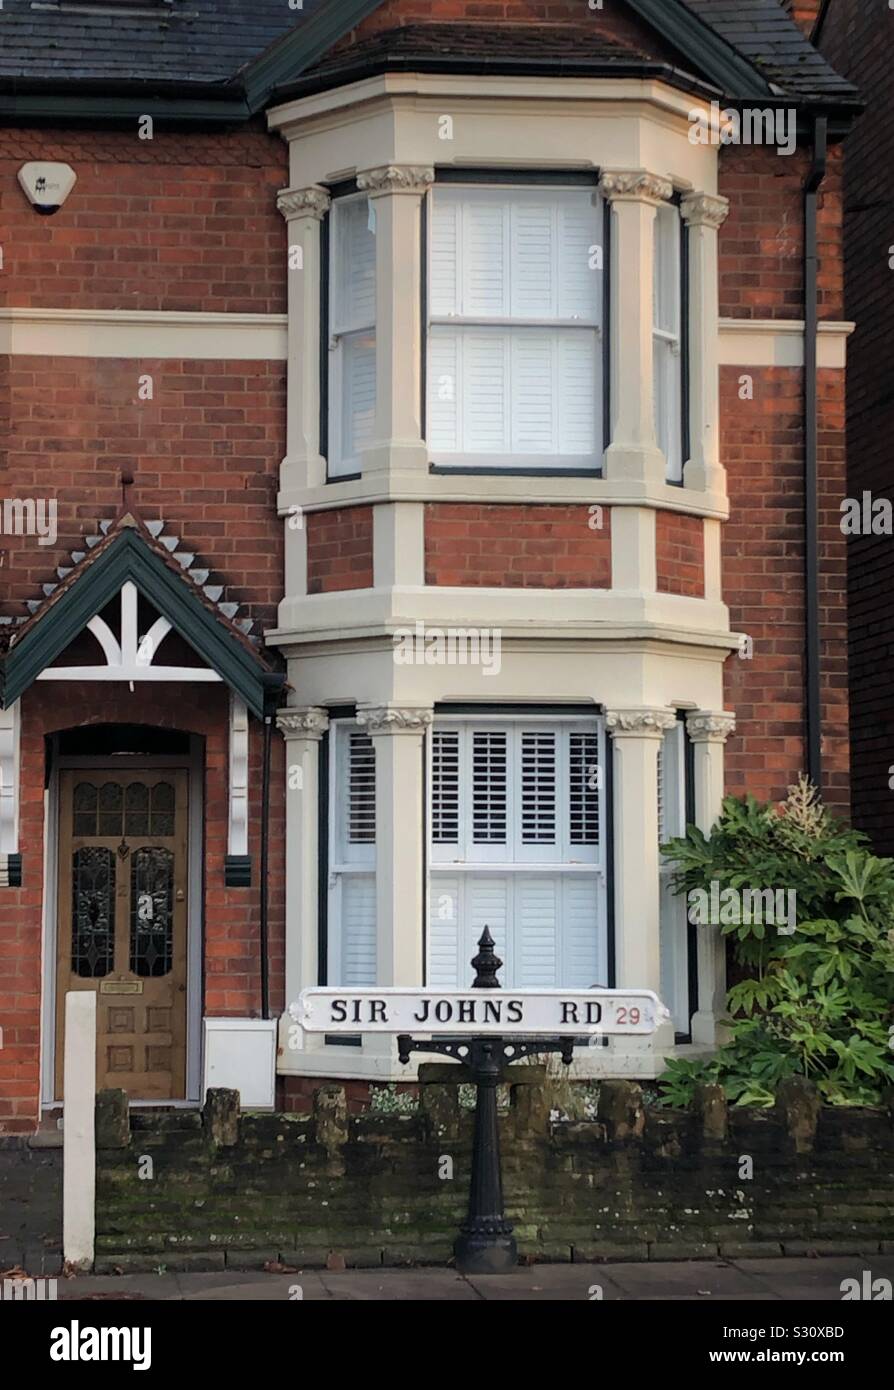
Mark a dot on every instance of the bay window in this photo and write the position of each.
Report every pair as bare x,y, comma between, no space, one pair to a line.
352,332
514,365
517,844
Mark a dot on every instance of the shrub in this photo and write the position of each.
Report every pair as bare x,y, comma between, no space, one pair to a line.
819,1002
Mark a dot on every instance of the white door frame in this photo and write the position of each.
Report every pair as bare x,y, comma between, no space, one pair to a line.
193,762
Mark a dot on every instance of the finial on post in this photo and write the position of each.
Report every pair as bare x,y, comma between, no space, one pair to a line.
486,963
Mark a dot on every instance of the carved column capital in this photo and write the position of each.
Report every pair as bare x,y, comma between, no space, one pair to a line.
304,202
639,723
635,185
704,210
309,722
396,178
704,726
394,719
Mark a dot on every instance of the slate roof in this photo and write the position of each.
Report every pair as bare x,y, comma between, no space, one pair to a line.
763,32
215,47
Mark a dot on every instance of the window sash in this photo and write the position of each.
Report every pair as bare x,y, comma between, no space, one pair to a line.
538,406
667,338
352,329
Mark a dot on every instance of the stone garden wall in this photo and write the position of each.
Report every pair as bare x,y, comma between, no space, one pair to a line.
219,1189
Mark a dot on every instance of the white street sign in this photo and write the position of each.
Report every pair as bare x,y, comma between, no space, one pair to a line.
553,1012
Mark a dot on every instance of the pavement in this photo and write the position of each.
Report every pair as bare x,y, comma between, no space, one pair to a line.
754,1280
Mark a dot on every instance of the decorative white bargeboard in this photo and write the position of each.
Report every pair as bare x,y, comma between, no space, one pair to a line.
554,1012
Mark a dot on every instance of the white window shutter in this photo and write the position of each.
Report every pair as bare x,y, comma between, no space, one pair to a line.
484,374
355,305
443,424
538,787
361,802
444,259
533,259
534,397
583,789
446,940
358,395
581,225
667,346
583,941
579,394
445,787
358,930
534,954
485,287
490,787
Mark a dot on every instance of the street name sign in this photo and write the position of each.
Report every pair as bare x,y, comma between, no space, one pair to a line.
557,1012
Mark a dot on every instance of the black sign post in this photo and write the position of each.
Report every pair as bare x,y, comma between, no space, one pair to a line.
485,1244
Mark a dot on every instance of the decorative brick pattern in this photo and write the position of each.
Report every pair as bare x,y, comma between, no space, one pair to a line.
680,554
524,547
339,550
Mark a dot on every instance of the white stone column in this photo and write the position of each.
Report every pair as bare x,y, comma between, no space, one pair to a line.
634,195
398,735
636,736
709,732
303,465
396,192
79,1143
302,729
704,214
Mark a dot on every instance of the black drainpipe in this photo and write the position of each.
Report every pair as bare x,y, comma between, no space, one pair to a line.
272,697
811,490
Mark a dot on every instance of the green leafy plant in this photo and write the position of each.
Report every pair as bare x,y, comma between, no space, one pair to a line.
816,1002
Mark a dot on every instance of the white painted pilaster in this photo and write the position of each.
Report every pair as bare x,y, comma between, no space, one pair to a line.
398,735
709,732
634,195
634,563
79,1143
396,192
636,736
399,545
302,729
704,214
303,465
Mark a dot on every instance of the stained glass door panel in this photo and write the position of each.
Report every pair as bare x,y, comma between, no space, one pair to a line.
122,923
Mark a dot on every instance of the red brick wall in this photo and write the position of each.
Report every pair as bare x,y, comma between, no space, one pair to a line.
182,221
762,240
205,453
763,582
804,12
680,554
527,547
859,40
231,915
339,550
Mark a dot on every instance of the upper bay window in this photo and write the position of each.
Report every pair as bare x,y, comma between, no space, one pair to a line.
515,331
515,339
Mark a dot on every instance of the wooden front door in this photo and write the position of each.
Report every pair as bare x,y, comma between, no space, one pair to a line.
122,924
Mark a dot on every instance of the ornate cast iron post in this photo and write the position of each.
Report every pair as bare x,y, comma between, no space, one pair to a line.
486,1244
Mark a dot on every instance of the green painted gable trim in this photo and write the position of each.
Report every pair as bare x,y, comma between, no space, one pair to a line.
129,557
707,51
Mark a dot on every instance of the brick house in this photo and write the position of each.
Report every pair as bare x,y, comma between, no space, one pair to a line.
437,436
859,39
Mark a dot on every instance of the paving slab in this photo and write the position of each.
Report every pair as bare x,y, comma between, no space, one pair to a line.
697,1279
816,1279
399,1284
271,1288
566,1283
